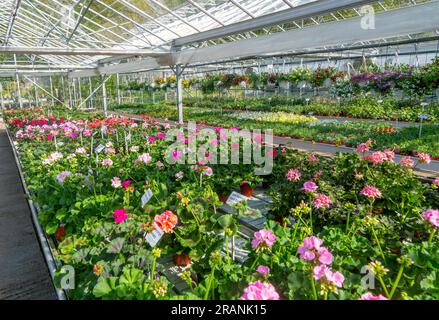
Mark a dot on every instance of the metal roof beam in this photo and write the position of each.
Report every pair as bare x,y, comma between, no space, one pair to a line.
147,16
11,22
174,14
388,24
130,20
82,51
78,22
300,12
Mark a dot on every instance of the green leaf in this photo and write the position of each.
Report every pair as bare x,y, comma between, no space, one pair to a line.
116,245
225,221
104,287
131,276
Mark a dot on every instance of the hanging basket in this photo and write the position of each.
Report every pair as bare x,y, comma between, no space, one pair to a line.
327,83
303,84
284,85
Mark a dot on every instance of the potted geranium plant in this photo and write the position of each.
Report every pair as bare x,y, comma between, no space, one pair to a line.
248,183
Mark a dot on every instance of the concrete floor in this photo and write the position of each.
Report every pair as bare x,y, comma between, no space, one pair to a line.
23,270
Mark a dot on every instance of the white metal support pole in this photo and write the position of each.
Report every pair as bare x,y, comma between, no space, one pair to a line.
36,93
20,102
104,95
63,89
1,97
51,90
118,88
91,93
75,93
70,94
178,73
79,90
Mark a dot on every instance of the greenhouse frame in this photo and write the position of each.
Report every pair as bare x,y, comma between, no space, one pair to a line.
115,123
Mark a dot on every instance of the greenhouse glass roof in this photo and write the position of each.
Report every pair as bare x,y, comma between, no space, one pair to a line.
82,34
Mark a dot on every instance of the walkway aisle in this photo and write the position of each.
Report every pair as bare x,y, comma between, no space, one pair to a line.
23,270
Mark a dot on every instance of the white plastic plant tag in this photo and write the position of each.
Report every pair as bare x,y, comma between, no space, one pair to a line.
99,148
104,130
235,197
154,237
129,136
146,197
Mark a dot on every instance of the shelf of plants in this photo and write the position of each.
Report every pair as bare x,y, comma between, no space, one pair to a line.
136,225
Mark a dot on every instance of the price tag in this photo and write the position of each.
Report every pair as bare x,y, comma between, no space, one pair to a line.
154,237
146,197
236,197
99,148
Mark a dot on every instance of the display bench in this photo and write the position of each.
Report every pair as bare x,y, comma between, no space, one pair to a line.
258,205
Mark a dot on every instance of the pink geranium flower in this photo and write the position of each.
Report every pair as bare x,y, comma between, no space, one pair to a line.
325,257
363,147
310,186
293,175
370,296
371,192
144,158
324,273
151,139
176,154
126,184
432,216
311,250
120,216
263,239
424,157
62,176
390,154
375,158
263,270
116,183
436,182
207,171
107,162
313,159
321,201
335,278
161,135
407,162
260,291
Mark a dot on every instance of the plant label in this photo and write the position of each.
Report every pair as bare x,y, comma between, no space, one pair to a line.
154,237
146,197
99,148
235,197
129,136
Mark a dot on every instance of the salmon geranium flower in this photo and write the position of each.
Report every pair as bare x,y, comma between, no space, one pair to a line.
166,221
